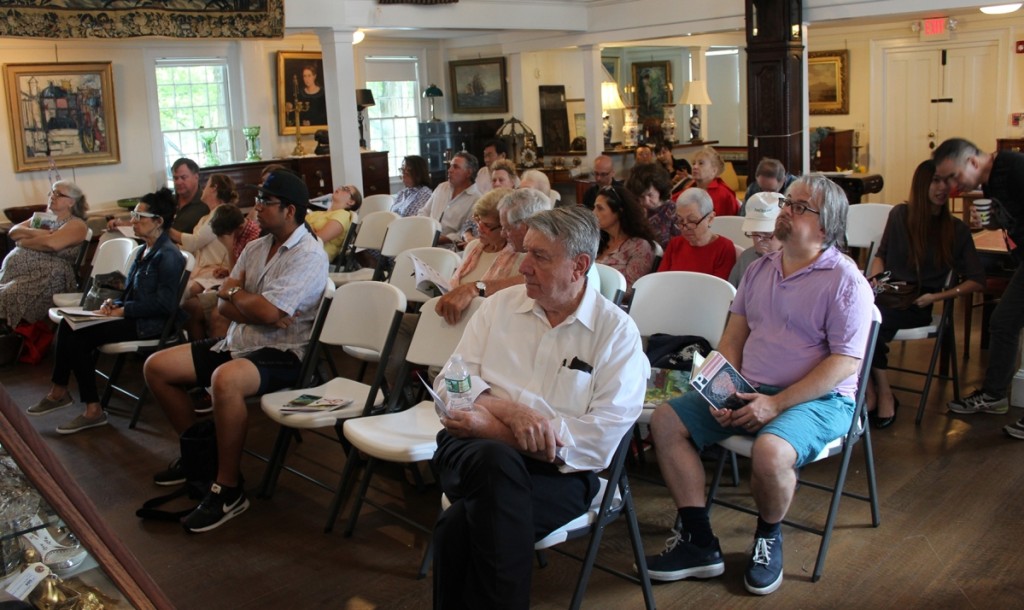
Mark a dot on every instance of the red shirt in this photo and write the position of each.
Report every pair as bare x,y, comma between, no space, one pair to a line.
717,258
723,197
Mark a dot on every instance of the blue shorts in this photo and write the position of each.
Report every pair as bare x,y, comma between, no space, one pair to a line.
808,427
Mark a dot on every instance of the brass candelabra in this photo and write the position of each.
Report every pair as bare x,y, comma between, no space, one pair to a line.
298,108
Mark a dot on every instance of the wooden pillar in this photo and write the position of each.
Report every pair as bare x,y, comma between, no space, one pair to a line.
775,83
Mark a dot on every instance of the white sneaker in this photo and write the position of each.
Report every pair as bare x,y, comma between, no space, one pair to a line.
979,402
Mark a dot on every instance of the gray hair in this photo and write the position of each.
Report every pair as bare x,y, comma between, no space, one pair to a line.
574,226
524,203
771,168
832,207
699,196
74,191
471,162
957,149
537,179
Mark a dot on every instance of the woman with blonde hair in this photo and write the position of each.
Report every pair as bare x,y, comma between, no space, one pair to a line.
707,167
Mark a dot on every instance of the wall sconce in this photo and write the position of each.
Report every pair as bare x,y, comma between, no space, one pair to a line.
430,93
364,99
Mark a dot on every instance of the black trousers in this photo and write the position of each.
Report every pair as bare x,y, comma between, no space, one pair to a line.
894,320
502,502
75,352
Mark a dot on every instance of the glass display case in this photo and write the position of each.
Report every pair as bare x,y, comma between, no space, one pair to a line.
56,552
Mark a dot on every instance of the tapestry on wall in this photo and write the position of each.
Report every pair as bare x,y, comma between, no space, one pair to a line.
136,18
417,1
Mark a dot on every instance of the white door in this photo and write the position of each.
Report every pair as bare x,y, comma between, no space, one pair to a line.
933,92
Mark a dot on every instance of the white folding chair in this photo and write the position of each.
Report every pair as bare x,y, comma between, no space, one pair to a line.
613,499
407,436
370,236
362,314
659,253
170,335
613,283
402,234
859,430
110,256
731,227
404,277
865,223
377,203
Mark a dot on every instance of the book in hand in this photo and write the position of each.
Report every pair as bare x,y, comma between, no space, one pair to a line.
43,220
78,318
308,403
428,280
718,381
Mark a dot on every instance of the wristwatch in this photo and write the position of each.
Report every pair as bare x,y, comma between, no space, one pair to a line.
232,291
481,289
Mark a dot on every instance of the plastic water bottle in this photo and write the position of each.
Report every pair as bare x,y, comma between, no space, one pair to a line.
457,382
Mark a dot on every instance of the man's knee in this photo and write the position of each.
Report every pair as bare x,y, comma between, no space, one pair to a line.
238,378
772,456
172,365
666,426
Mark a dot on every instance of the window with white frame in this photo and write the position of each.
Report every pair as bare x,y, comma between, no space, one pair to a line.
393,120
194,108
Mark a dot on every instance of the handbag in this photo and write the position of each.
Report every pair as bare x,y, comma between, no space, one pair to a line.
105,286
198,464
894,294
675,351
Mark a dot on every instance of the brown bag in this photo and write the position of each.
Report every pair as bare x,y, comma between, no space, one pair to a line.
894,294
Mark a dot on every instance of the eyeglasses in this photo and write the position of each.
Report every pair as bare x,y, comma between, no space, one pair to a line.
598,174
55,194
263,202
690,226
483,225
136,216
610,193
798,207
760,236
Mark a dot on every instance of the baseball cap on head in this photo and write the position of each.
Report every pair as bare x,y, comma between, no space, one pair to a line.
287,187
762,210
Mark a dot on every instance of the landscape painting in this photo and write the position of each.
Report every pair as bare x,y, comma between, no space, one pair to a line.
478,85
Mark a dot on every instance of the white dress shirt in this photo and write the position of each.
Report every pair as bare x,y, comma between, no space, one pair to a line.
450,211
511,349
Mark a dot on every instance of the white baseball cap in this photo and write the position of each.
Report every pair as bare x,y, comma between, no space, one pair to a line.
762,210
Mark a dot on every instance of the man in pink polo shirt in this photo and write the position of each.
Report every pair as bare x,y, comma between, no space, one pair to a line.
797,332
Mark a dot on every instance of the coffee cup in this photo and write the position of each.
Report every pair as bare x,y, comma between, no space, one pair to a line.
984,209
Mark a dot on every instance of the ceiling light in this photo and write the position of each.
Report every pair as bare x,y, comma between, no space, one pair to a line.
358,36
1000,9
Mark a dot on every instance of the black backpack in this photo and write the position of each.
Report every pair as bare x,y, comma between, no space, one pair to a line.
199,464
675,351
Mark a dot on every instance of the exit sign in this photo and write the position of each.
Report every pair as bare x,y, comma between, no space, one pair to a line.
935,29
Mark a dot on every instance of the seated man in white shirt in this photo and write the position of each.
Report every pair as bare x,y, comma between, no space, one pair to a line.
559,376
453,200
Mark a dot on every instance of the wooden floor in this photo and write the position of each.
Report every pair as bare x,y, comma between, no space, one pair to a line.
951,536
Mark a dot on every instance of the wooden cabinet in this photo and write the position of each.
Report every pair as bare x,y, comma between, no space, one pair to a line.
437,138
315,172
1010,145
835,152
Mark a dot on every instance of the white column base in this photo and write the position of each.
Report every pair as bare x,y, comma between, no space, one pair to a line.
1017,389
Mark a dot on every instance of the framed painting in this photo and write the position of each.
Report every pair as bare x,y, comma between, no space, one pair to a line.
652,80
479,85
611,64
61,111
828,81
300,85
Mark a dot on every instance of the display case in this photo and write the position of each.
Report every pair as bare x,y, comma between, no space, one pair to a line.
56,552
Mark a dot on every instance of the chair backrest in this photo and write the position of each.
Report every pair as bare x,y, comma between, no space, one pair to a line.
865,223
731,227
361,315
377,203
659,253
682,303
131,258
410,232
739,250
113,255
612,280
373,228
348,245
435,340
404,277
312,355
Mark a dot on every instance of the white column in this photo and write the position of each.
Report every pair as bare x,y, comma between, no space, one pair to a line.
340,88
699,70
514,85
592,77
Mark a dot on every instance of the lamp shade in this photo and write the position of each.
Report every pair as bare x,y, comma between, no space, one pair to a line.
433,91
364,98
695,93
610,99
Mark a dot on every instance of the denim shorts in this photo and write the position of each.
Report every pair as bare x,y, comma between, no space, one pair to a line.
278,369
808,427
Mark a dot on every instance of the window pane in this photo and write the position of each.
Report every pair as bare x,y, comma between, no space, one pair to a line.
190,97
393,121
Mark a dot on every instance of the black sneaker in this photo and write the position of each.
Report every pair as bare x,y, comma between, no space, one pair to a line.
683,559
174,475
216,508
764,572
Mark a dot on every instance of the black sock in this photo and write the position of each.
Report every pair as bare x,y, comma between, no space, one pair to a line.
696,523
767,530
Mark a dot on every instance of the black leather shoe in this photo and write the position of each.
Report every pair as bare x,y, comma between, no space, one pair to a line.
881,423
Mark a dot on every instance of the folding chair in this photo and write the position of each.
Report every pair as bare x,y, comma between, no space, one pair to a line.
865,223
402,234
659,253
348,250
613,498
362,314
80,259
613,283
731,227
170,335
407,436
111,255
942,331
859,429
377,203
403,275
370,236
